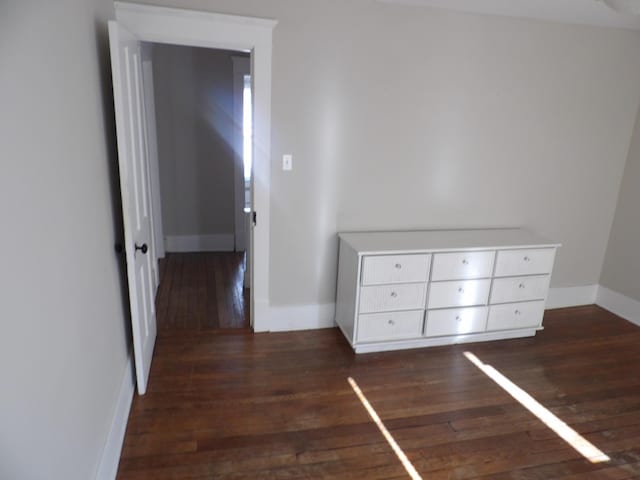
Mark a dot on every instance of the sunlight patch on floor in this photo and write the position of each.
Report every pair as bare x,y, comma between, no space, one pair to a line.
569,435
406,463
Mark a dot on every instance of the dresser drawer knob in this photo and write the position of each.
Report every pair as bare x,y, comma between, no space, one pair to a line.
521,285
518,312
465,261
458,318
398,266
461,290
391,322
394,294
527,259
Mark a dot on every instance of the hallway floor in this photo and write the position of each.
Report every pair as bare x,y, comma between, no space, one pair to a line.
202,291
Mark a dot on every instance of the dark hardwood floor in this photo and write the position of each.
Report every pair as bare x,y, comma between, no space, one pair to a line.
202,291
276,406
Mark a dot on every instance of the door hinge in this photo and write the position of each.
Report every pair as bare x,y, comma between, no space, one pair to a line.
254,217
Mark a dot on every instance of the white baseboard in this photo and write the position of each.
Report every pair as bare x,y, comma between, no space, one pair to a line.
108,468
571,296
299,317
621,305
199,243
308,317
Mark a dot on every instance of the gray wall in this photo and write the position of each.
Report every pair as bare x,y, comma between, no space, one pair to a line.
63,345
403,117
194,111
397,118
621,271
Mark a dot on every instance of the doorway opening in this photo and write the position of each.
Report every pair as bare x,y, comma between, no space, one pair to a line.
201,107
134,25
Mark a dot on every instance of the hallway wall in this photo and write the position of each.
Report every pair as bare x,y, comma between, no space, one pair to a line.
194,117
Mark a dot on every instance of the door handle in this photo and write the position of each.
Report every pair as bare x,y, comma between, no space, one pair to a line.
143,248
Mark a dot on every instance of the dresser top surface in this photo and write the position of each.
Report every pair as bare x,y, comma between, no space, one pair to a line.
444,240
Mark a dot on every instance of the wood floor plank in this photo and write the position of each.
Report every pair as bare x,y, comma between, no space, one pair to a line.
175,264
214,296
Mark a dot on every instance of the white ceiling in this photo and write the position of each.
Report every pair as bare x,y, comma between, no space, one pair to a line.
584,12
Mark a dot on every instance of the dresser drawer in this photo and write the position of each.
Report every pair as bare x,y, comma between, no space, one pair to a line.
515,315
524,262
385,298
462,265
456,321
463,293
376,327
519,289
381,269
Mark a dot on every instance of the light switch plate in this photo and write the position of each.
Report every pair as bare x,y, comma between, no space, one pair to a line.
287,162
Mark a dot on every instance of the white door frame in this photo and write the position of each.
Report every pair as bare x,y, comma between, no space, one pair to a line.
154,165
228,32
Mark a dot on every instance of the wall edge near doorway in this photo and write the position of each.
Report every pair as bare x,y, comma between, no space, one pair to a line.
108,467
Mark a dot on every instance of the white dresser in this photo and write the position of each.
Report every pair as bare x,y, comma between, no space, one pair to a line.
417,289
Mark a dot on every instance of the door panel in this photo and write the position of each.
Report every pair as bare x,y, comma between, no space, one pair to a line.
135,190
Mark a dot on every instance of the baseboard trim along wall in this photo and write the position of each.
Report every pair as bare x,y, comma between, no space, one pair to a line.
307,317
287,318
619,304
108,468
615,302
562,297
199,243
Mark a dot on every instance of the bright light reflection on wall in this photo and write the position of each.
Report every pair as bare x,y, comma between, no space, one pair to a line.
406,463
569,435
247,128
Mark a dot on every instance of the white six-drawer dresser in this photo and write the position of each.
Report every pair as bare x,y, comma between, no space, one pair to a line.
424,288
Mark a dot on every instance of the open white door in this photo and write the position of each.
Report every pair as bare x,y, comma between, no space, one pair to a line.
126,69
